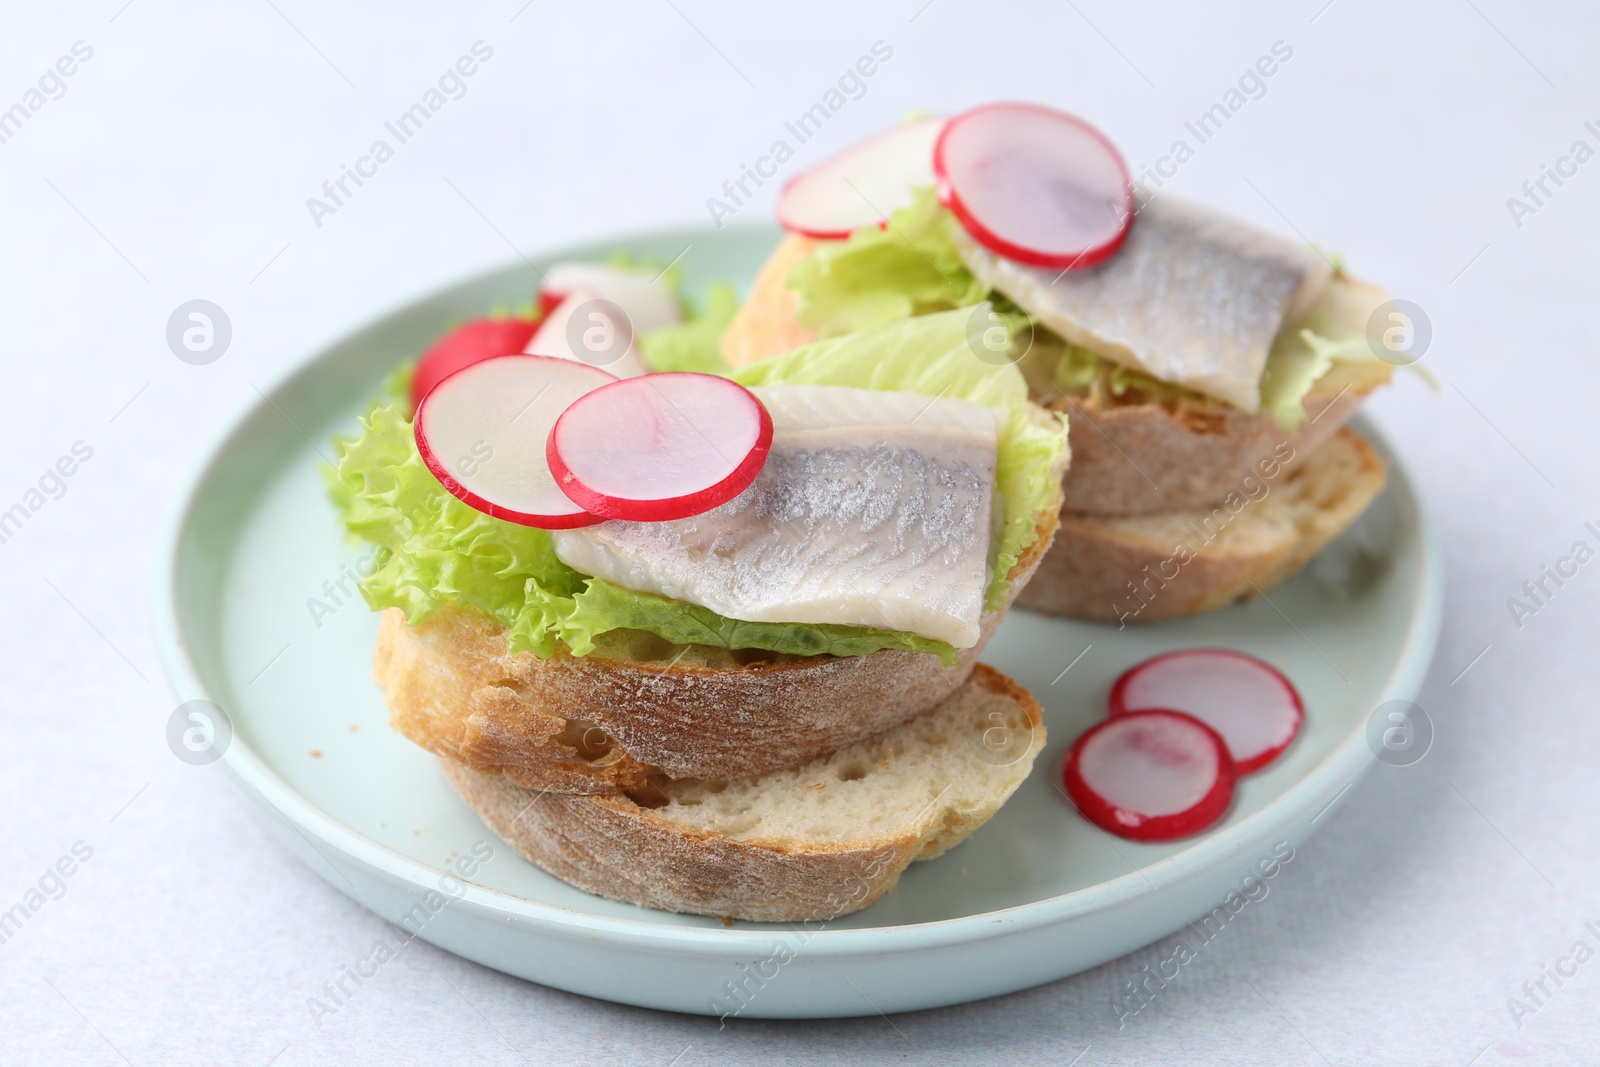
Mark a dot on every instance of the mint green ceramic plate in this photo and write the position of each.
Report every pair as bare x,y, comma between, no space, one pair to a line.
1037,894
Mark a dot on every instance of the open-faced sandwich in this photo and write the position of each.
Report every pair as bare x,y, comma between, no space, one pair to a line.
1206,366
701,642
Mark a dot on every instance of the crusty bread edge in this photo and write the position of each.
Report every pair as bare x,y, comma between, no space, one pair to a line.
453,688
612,847
1084,574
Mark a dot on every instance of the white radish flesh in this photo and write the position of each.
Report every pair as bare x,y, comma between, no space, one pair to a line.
863,185
660,447
1150,775
587,328
647,300
1254,707
1034,184
482,433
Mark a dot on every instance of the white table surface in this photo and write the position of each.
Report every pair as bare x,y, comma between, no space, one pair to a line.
177,164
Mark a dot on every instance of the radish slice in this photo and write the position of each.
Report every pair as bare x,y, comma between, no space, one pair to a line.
1150,775
1253,707
465,345
664,446
649,303
863,185
1034,184
482,430
587,328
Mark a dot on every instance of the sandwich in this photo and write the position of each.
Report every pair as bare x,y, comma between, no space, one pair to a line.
1206,366
705,643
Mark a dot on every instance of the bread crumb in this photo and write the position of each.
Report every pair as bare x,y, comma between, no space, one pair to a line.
355,729
725,921
316,753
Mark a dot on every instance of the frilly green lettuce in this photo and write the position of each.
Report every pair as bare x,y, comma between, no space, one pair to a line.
911,267
434,551
1330,347
881,274
695,343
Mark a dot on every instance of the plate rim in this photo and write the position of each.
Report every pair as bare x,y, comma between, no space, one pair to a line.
1347,763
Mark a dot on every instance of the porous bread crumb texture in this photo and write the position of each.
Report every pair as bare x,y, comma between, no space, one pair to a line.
1148,457
1131,568
452,687
947,764
446,690
810,843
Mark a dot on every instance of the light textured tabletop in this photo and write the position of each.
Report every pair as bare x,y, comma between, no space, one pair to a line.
176,162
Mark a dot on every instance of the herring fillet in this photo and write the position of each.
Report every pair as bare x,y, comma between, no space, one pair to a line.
873,509
1193,297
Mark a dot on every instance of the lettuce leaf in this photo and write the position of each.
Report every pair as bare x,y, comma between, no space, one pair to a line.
1296,362
1079,371
880,274
1329,349
433,550
694,344
911,268
931,354
602,607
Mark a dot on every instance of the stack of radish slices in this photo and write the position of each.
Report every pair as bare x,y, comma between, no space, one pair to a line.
555,443
1030,183
616,304
1183,727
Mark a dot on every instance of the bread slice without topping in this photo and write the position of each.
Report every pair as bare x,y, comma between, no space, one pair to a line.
606,722
808,843
1152,567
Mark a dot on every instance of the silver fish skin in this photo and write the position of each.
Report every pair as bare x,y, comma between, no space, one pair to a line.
1193,297
874,509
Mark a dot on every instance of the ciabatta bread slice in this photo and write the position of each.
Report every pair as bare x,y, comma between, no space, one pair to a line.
764,325
1149,458
1153,567
809,843
605,722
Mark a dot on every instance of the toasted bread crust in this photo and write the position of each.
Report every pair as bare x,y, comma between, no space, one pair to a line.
1087,574
1145,459
453,688
616,848
764,325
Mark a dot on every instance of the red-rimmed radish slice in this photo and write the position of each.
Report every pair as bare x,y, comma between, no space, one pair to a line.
1150,775
482,431
1034,184
1254,707
649,303
549,300
863,185
663,446
465,345
589,329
